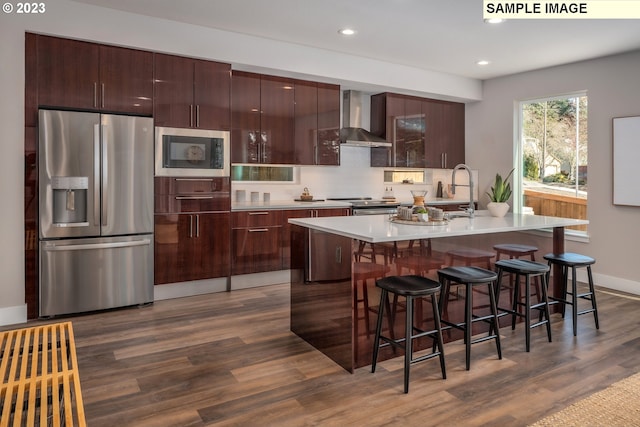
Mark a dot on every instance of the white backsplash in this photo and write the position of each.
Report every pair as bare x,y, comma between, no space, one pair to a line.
354,177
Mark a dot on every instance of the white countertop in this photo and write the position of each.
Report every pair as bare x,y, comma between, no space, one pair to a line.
326,204
287,204
378,228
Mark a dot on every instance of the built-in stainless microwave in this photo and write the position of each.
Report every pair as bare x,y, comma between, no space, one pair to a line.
192,152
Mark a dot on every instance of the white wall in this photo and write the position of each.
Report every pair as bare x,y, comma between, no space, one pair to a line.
613,90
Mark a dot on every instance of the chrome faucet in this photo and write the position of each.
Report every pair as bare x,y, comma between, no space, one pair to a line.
470,210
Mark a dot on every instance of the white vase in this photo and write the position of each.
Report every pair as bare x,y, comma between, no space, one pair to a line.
498,209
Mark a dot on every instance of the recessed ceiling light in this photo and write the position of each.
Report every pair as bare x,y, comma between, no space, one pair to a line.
494,20
347,31
483,62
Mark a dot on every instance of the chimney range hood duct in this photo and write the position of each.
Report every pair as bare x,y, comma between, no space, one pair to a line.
352,132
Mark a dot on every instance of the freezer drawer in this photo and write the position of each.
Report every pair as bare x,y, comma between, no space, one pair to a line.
93,274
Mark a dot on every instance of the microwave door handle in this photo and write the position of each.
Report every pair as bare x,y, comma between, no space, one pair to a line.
105,181
96,174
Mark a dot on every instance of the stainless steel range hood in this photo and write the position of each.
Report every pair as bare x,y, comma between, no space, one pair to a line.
352,132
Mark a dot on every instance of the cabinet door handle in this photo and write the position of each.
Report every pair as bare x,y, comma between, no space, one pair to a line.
191,115
258,213
190,226
102,94
258,230
195,179
95,94
194,197
198,115
197,225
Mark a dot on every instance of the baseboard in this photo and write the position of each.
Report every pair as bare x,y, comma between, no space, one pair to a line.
255,280
188,289
13,315
609,282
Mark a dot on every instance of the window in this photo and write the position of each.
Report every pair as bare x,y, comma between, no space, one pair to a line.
552,157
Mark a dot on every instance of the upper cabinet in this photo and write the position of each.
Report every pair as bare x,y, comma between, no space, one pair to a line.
447,147
317,123
82,75
191,93
424,133
263,119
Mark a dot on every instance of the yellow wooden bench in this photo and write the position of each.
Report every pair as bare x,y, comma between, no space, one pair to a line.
40,382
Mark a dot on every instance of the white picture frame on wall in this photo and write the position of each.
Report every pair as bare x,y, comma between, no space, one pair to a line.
626,154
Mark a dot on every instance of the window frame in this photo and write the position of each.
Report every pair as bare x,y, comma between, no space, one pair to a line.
518,159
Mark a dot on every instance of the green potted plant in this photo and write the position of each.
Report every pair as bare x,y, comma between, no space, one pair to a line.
421,213
499,195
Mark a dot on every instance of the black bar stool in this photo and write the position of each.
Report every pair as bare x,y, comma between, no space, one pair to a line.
516,250
470,277
528,269
410,287
566,260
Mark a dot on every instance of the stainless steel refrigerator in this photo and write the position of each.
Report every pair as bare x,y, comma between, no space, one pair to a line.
95,211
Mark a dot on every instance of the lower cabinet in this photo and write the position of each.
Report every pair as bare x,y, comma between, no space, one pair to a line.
191,246
260,240
256,242
303,213
454,206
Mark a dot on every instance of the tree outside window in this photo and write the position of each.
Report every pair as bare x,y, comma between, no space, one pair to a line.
554,156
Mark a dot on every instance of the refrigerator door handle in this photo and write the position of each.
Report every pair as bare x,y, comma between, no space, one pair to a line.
105,181
55,248
96,174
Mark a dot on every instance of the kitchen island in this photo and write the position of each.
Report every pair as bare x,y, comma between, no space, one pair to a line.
336,260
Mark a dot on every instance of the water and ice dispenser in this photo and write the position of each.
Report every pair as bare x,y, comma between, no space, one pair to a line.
70,200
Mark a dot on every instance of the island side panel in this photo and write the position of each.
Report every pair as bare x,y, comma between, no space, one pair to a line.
321,293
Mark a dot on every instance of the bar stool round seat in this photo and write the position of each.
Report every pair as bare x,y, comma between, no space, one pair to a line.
574,261
528,269
514,250
470,277
410,287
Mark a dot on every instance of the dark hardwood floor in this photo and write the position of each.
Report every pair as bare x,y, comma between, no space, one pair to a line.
230,359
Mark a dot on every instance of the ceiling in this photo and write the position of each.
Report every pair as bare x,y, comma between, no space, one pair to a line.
447,36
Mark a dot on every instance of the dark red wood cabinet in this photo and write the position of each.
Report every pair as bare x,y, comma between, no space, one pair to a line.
262,111
303,213
192,223
191,246
83,75
444,133
317,123
191,93
425,133
256,241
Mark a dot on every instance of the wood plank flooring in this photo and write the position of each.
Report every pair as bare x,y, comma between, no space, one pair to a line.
229,359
